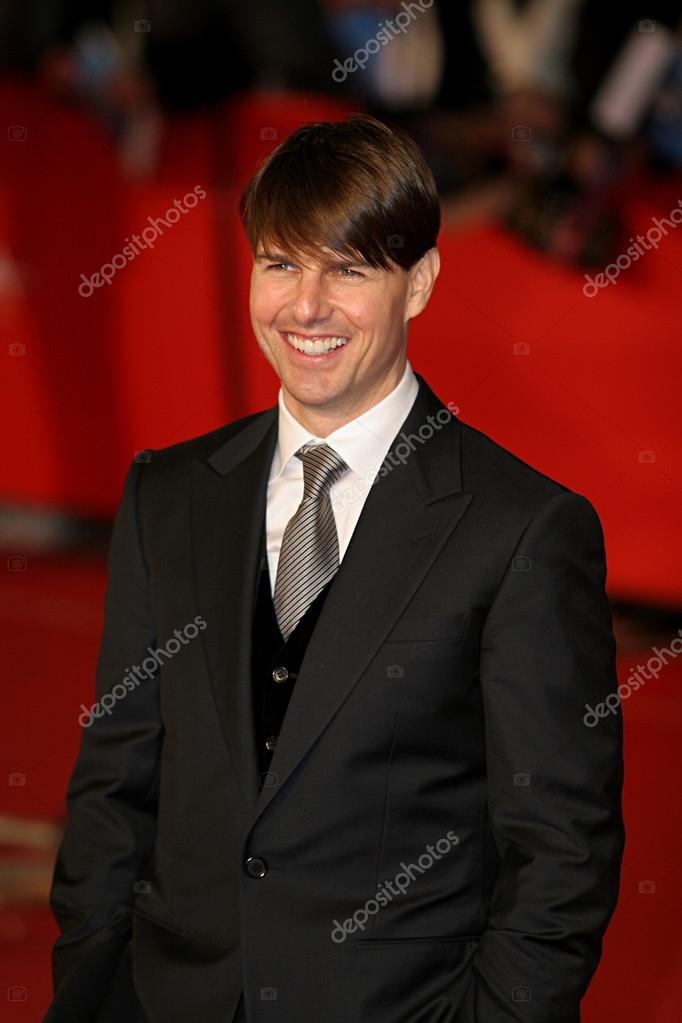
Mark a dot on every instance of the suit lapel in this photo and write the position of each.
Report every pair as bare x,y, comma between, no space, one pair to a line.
420,496
228,508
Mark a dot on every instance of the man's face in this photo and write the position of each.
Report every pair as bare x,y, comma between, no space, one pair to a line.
323,302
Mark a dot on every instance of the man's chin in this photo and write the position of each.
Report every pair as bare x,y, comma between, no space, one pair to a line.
312,393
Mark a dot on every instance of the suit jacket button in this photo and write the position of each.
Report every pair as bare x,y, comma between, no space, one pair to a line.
256,867
271,742
280,674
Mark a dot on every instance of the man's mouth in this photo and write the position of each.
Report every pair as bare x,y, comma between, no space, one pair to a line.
315,344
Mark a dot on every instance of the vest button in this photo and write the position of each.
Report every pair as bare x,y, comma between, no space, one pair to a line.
271,742
280,674
256,867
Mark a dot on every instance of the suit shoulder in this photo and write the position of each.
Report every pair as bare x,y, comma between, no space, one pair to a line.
488,467
510,494
174,455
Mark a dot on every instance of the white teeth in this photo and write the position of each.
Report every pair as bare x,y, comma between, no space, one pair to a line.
315,346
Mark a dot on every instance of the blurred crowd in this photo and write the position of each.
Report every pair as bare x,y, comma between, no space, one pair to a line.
528,110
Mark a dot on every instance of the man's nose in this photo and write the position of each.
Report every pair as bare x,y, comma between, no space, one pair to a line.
310,300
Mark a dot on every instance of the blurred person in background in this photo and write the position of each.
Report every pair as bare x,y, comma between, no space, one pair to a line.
516,104
132,63
500,95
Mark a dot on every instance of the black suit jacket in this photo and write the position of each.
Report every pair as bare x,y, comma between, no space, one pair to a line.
441,836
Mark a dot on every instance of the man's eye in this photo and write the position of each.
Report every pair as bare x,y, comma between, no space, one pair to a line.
348,271
277,266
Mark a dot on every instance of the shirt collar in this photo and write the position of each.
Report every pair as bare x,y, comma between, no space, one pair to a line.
362,443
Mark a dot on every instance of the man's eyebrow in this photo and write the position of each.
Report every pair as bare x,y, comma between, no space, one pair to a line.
278,257
347,261
328,262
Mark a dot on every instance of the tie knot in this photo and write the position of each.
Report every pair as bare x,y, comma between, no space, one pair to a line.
322,467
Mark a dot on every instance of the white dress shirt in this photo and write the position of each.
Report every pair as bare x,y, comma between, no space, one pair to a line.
363,444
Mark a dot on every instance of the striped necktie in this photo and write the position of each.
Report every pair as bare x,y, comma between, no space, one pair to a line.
309,556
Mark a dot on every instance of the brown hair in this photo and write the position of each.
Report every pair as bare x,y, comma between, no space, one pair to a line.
358,187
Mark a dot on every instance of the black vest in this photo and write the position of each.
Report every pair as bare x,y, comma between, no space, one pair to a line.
275,663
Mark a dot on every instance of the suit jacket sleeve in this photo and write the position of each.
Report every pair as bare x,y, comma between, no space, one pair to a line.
554,783
112,793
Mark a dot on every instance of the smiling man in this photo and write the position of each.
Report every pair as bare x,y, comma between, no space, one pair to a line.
332,321
362,789
343,348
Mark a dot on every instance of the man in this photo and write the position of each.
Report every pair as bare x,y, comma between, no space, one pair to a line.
356,785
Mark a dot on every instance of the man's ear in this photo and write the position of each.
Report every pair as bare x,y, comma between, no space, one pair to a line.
421,281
